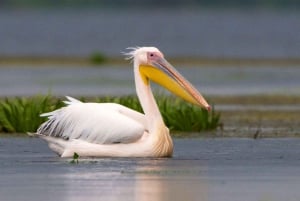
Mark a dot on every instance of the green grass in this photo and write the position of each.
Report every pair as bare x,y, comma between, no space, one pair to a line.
21,115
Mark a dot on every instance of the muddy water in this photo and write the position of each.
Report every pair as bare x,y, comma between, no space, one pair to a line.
201,169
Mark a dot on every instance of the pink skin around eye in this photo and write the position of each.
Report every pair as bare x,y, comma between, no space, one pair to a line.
152,56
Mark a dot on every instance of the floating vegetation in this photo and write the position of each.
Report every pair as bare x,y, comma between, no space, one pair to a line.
75,159
21,115
97,58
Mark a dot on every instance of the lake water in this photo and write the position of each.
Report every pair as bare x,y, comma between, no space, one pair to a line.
201,169
112,80
254,33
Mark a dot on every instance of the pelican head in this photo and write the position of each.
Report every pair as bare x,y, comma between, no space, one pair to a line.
153,66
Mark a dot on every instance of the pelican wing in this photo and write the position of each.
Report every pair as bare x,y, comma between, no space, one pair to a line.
101,123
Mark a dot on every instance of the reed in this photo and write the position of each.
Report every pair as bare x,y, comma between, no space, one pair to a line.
21,115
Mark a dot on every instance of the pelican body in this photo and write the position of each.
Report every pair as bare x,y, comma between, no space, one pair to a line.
113,130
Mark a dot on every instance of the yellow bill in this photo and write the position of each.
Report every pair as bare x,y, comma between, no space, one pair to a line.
165,75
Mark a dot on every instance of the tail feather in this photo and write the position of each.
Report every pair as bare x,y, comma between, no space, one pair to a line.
71,100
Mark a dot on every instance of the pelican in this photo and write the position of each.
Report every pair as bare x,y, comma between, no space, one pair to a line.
113,130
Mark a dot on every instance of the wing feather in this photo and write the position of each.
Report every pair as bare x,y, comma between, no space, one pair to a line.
101,123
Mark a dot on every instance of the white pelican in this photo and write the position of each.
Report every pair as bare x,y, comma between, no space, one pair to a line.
113,130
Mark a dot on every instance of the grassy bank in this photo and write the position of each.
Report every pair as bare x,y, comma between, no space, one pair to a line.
21,115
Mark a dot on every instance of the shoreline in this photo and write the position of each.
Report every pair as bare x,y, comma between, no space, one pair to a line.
45,61
259,116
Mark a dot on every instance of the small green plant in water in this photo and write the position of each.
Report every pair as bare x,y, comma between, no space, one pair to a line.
97,58
75,159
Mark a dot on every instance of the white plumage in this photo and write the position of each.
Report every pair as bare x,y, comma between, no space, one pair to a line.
99,123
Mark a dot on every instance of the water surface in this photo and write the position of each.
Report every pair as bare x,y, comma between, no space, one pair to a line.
118,80
201,169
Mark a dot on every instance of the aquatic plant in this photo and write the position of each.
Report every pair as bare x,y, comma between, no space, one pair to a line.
23,114
19,115
75,159
97,58
181,116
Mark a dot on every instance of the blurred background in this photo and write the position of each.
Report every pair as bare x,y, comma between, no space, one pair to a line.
253,45
185,28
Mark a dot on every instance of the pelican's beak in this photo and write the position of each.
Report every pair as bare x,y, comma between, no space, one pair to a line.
163,73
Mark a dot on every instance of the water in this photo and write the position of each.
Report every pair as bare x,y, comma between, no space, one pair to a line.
178,32
112,80
201,169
